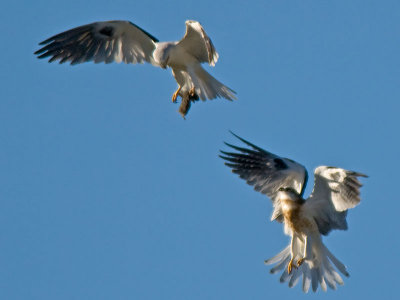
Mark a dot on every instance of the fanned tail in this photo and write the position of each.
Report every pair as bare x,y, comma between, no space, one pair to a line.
207,87
315,271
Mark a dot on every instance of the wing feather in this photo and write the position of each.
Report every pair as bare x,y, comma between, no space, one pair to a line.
100,42
335,191
197,43
265,171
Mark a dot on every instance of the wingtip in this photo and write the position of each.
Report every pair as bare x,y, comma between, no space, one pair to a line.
39,51
358,174
221,156
229,145
41,55
247,142
240,149
235,135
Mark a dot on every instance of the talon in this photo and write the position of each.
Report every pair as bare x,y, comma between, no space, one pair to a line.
290,266
300,262
175,95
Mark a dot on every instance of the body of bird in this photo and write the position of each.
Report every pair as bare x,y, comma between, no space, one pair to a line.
123,41
283,180
295,218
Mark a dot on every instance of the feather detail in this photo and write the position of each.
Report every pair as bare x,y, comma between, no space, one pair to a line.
316,271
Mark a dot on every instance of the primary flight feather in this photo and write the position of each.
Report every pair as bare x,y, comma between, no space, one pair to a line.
123,41
283,181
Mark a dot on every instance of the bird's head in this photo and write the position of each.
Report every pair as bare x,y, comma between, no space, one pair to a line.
290,194
191,22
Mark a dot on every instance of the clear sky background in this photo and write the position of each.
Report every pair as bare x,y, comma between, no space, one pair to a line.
107,193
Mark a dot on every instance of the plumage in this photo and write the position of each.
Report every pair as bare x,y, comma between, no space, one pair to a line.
283,181
123,41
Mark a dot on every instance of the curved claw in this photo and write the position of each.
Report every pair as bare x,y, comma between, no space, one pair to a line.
290,266
175,95
300,262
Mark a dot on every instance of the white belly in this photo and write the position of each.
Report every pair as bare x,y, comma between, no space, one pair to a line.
296,220
178,58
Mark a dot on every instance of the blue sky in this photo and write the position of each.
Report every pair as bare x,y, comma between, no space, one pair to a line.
107,193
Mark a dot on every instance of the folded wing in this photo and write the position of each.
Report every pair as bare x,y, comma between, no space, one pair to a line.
119,41
335,191
266,171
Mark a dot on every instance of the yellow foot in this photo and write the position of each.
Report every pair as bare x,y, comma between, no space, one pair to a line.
175,95
300,261
290,266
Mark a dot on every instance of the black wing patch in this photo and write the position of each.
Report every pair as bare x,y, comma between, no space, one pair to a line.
146,33
107,31
280,164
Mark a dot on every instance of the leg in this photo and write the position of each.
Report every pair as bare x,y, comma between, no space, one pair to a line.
175,95
290,264
301,260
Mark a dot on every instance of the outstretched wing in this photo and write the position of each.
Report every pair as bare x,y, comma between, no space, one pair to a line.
197,43
335,191
265,171
100,42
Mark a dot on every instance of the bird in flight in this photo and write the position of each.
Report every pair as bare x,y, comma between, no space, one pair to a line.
283,181
123,41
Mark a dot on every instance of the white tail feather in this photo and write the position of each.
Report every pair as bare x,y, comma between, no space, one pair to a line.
295,278
341,267
316,271
281,255
280,265
306,277
207,87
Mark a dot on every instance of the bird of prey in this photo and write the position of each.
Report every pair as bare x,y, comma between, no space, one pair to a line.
283,181
123,41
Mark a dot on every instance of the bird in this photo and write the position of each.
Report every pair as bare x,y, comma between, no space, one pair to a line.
122,41
305,220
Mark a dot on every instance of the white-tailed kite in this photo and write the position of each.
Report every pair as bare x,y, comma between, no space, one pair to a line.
123,41
283,181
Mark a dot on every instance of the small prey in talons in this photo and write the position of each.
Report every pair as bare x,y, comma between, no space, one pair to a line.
123,41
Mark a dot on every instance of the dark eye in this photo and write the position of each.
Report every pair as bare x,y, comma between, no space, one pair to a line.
281,189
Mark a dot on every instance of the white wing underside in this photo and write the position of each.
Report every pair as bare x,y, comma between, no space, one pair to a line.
335,191
196,47
198,44
123,41
110,41
266,171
